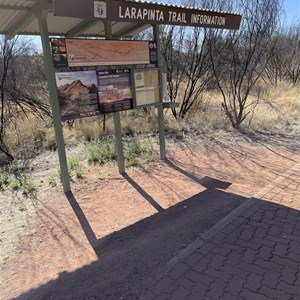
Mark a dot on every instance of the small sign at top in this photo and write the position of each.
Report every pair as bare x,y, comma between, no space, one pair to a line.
100,9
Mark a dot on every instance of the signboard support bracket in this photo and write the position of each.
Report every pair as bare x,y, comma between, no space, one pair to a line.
54,102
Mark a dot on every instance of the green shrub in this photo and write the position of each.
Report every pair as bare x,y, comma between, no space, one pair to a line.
138,148
15,184
28,188
4,181
102,150
52,181
75,167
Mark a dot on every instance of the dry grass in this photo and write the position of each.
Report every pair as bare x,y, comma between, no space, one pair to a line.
29,136
278,110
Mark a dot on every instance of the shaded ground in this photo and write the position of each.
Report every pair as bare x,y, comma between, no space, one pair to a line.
253,253
114,234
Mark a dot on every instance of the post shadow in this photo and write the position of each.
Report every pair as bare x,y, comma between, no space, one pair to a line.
86,227
206,181
211,184
143,192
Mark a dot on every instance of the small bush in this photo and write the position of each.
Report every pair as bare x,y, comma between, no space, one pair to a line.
52,182
79,172
75,167
15,184
102,150
4,181
28,188
137,148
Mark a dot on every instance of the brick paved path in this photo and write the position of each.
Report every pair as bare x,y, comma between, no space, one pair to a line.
253,254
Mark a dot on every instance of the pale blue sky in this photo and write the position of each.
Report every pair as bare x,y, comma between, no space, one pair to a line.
292,10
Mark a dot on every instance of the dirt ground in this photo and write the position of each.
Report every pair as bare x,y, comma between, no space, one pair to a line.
114,234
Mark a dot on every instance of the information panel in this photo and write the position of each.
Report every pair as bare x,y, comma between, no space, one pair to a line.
91,52
115,90
147,87
78,94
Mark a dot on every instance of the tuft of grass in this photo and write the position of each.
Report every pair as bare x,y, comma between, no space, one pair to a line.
138,148
12,169
102,150
21,208
4,182
4,258
73,162
15,184
75,167
52,181
79,172
28,188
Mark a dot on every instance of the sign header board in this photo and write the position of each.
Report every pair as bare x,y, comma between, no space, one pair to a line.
91,52
143,12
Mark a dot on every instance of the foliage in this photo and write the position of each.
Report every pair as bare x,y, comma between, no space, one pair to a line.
22,86
102,150
239,58
52,181
28,188
284,62
4,181
136,148
15,184
75,167
187,65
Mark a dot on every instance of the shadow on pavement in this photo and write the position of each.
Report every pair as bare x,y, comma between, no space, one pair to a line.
130,259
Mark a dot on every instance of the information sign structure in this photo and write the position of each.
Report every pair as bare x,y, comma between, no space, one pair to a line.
143,12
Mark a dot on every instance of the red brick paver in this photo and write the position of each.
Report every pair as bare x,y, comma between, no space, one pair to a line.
256,255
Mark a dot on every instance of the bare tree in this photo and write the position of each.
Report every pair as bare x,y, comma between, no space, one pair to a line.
284,62
291,55
240,57
22,89
274,70
171,49
187,64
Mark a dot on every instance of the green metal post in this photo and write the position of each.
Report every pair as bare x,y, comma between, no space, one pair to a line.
119,143
116,116
54,102
161,123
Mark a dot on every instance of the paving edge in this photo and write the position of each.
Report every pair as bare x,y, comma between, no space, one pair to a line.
209,234
230,217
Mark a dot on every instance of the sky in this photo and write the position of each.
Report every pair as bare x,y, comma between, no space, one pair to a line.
292,10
